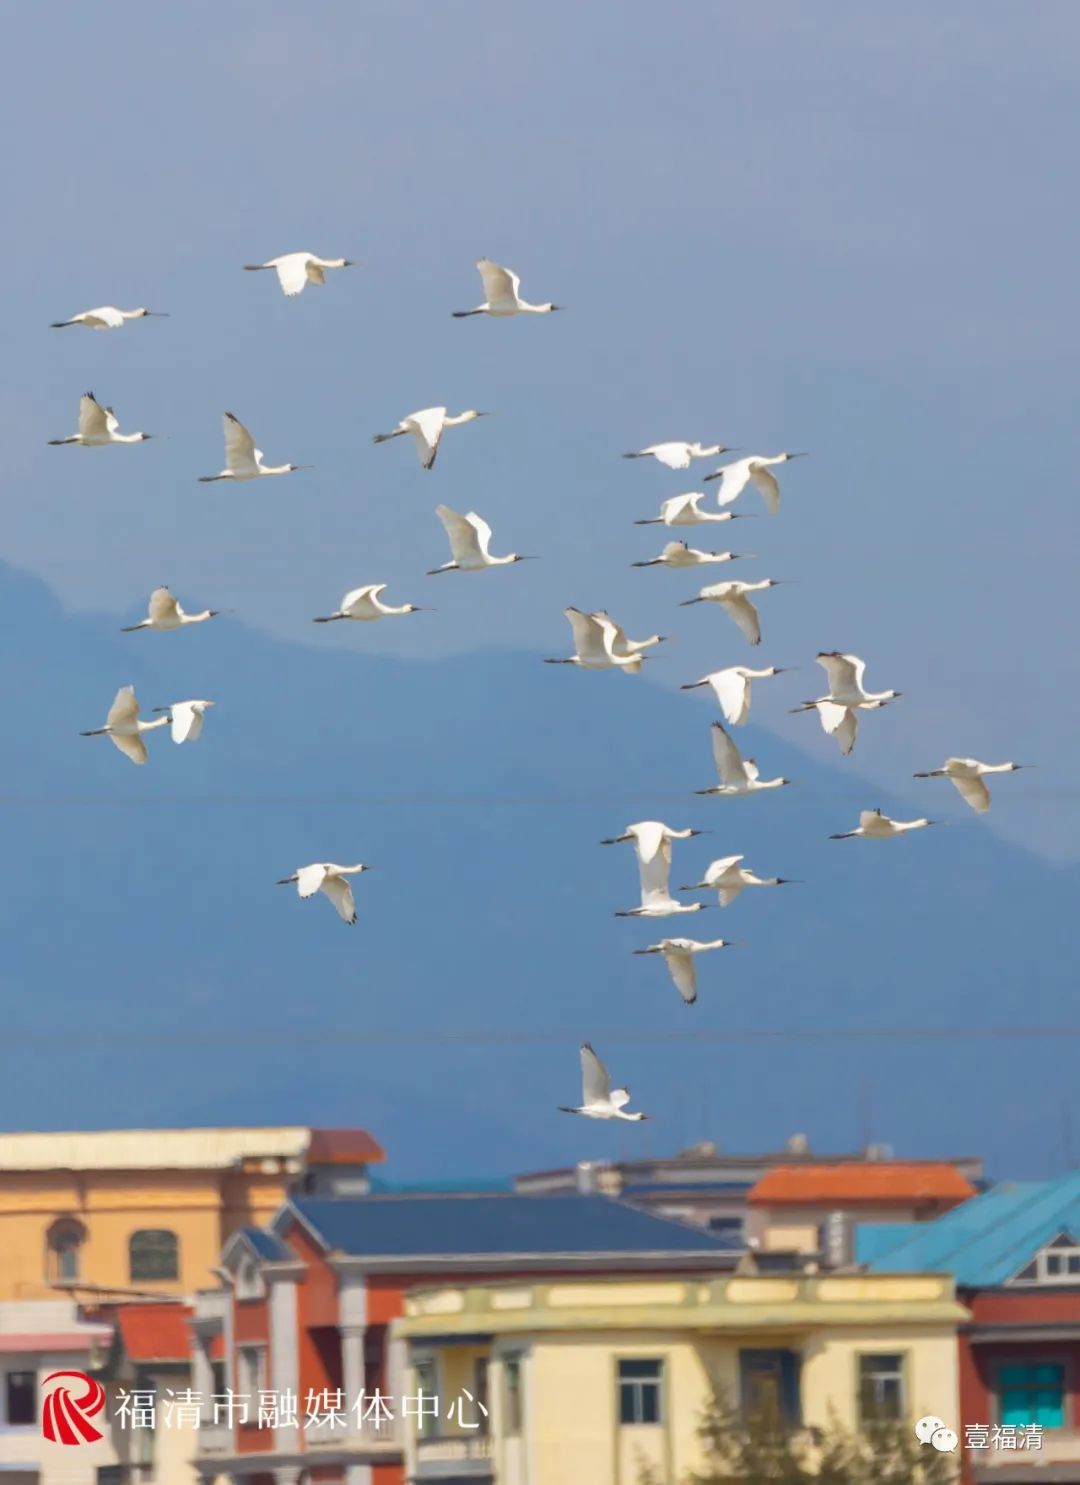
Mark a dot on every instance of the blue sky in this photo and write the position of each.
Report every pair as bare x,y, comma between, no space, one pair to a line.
849,231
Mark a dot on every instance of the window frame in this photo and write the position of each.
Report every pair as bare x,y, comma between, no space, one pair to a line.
426,1361
904,1375
636,1387
1054,1358
258,1350
32,1421
55,1249
152,1278
512,1428
249,1283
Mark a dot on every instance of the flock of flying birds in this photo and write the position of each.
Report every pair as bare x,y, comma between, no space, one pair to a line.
599,643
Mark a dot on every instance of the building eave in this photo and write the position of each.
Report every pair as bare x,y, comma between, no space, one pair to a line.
445,1263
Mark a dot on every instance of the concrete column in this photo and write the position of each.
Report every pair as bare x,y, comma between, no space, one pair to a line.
358,1474
202,1374
352,1360
285,1361
397,1383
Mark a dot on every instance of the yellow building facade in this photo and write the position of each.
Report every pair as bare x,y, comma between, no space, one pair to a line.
603,1380
134,1211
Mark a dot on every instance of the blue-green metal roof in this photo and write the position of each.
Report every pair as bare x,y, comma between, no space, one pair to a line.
985,1241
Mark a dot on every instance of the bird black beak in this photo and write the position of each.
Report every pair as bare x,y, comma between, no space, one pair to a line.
349,263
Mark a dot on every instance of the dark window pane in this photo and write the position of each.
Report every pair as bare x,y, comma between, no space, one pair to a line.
154,1255
21,1398
626,1405
628,1369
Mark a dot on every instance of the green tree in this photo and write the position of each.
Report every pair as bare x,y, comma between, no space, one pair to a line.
759,1450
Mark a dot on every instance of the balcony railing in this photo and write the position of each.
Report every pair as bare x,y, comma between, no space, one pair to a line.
471,1448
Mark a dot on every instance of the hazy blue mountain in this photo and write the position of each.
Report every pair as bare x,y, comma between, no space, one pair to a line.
155,974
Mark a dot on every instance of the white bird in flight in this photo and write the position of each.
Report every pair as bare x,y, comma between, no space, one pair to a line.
649,837
726,877
470,538
732,598
243,461
502,295
185,718
845,673
123,727
427,427
99,426
873,825
966,776
754,469
685,510
652,844
678,455
108,317
738,775
678,554
838,719
365,604
595,638
621,647
599,1100
328,877
165,613
679,957
732,688
294,270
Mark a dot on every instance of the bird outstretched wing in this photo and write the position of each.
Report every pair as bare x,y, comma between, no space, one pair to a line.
745,615
765,483
733,693
462,533
163,605
729,761
500,285
309,879
655,873
595,1080
681,967
620,1097
93,420
426,427
674,455
124,708
292,272
716,869
130,744
847,730
240,452
733,478
973,792
187,721
590,641
340,894
844,672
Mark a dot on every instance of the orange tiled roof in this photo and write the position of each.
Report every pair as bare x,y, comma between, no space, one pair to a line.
861,1182
344,1147
155,1332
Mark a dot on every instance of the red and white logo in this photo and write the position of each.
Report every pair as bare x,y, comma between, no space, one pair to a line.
65,1418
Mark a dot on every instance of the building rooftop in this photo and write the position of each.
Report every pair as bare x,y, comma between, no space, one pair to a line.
863,1183
986,1241
466,1225
155,1332
179,1149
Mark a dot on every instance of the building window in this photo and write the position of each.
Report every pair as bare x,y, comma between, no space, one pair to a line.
513,1408
65,1240
153,1253
727,1229
770,1386
1032,1394
881,1388
21,1398
480,1391
250,1370
1057,1263
249,1284
639,1391
426,1380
